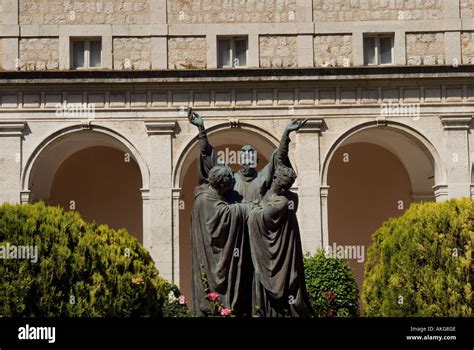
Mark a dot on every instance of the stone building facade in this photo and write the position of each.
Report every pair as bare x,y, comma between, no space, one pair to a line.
386,85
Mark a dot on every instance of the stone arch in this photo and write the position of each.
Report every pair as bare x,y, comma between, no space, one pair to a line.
406,132
51,174
372,173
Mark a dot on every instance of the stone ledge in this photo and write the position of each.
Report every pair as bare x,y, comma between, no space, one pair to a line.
230,75
166,127
456,122
12,128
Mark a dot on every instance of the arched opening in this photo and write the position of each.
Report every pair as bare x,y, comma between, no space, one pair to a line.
229,140
93,174
373,174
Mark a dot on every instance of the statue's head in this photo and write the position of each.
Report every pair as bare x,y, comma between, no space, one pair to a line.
248,160
221,178
283,178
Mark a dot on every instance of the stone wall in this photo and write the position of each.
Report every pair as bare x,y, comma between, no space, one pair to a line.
187,52
467,47
39,53
425,48
278,51
132,53
333,50
230,11
376,10
467,8
84,12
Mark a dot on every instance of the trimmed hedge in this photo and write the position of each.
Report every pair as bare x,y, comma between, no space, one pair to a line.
83,270
420,264
331,286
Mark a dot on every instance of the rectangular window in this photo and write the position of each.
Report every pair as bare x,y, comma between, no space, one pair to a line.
232,52
86,53
378,49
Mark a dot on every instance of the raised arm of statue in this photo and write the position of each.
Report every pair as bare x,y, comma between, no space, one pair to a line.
280,156
283,149
208,157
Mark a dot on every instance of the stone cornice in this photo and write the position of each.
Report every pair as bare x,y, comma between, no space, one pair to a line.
166,127
312,126
236,75
11,128
456,122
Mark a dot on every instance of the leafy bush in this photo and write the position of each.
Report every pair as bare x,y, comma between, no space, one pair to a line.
331,286
82,269
420,263
176,304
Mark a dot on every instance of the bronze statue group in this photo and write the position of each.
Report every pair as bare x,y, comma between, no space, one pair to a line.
246,246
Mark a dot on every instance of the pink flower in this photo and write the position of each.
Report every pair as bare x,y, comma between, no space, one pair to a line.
330,295
213,296
331,312
182,300
225,312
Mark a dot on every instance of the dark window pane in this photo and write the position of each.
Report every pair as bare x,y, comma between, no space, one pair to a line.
385,50
95,53
369,51
78,54
240,53
224,52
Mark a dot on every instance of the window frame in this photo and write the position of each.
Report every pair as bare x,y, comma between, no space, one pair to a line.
233,40
87,52
378,56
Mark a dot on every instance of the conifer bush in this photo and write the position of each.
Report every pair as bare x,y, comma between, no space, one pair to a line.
331,286
420,264
82,270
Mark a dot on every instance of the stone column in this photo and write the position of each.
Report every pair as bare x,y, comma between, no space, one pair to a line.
456,130
158,238
10,161
309,180
177,206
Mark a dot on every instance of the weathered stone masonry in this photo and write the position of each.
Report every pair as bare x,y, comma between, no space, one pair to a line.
187,53
278,51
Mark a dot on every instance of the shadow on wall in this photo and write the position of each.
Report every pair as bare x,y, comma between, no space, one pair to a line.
103,185
368,185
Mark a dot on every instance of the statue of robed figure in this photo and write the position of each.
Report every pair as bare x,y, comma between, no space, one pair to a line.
220,232
277,256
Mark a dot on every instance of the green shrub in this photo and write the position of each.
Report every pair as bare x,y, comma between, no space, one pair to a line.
331,286
176,304
419,264
82,269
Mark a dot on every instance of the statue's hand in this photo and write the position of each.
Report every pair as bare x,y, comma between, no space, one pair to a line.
195,118
296,125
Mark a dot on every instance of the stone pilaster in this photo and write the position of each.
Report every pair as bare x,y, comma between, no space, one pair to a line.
10,161
158,235
456,130
308,165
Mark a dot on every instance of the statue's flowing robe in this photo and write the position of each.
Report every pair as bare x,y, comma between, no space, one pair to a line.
279,286
220,253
